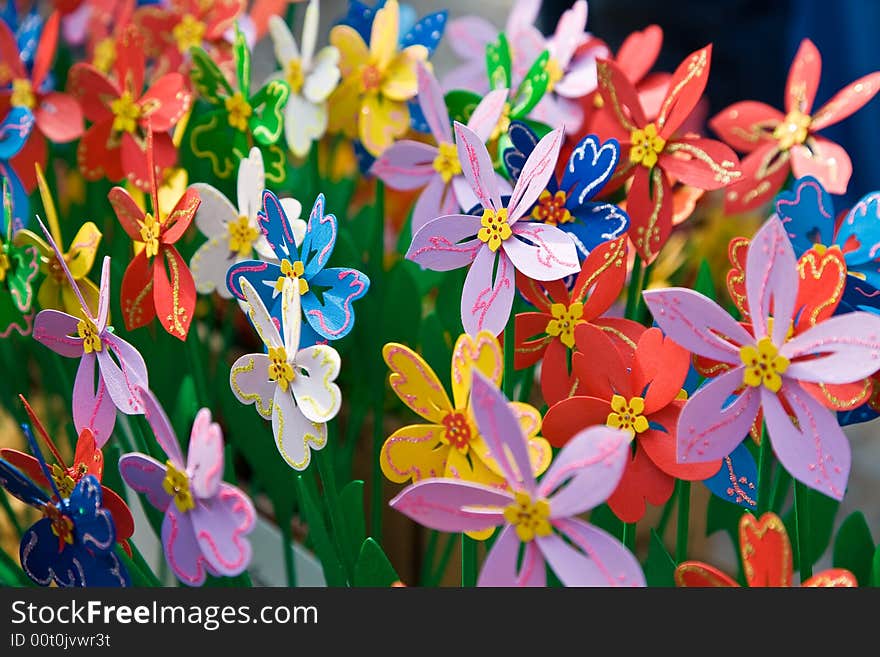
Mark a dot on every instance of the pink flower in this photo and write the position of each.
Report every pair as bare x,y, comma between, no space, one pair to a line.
496,244
769,368
540,516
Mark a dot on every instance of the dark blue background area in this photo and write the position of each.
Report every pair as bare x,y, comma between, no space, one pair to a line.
754,43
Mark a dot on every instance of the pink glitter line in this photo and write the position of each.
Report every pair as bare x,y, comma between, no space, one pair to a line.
442,244
358,285
545,255
480,307
243,528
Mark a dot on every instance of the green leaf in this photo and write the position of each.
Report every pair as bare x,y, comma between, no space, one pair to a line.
185,409
402,313
461,104
603,517
854,547
449,301
532,89
207,77
436,347
267,121
275,162
242,56
11,573
320,538
822,512
723,516
351,499
704,283
498,63
373,568
875,568
212,138
659,566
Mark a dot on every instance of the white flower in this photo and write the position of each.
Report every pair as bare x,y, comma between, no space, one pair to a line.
294,387
233,234
312,78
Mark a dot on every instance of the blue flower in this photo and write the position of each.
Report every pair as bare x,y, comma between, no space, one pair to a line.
26,30
327,294
568,204
73,543
14,132
808,215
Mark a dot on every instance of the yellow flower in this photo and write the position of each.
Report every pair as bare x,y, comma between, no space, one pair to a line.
294,273
793,130
448,444
495,228
645,146
280,371
87,330
763,365
55,291
150,231
551,209
238,111
529,517
377,82
626,415
126,113
564,321
23,94
176,484
242,235
446,163
188,33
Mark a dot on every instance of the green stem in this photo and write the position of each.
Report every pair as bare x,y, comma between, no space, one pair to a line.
802,529
377,257
468,561
428,560
196,366
765,459
141,563
628,536
684,513
509,351
666,514
445,556
780,490
331,498
640,312
635,288
287,549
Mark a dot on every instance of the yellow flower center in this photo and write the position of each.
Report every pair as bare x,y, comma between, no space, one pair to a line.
238,110
150,230
551,209
280,370
554,73
529,517
242,235
764,365
5,265
23,94
126,113
371,78
62,526
176,484
89,334
626,415
645,146
63,481
458,431
565,319
188,33
495,228
503,124
105,55
446,163
293,272
793,130
295,75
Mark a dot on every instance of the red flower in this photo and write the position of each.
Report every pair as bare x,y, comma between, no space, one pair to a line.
766,557
170,31
157,281
88,459
779,143
115,145
559,312
657,155
107,20
58,116
638,392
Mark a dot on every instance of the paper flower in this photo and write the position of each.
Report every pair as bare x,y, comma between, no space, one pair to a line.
101,27
639,393
332,316
377,81
408,164
497,244
114,146
224,134
569,203
57,115
656,153
87,336
171,29
768,368
27,30
14,131
292,386
521,99
807,212
449,444
87,460
72,544
547,334
470,35
767,560
234,233
778,144
18,267
157,282
311,78
55,291
539,518
426,31
206,520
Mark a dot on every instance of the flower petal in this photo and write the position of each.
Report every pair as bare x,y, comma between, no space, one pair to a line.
481,353
182,550
446,243
502,567
57,330
771,281
649,205
477,167
486,301
304,122
537,170
406,164
93,406
803,78
704,163
250,382
847,101
486,114
847,348
145,475
599,560
295,435
696,574
642,483
220,524
685,90
436,200
316,394
451,505
541,251
747,124
824,160
205,456
414,452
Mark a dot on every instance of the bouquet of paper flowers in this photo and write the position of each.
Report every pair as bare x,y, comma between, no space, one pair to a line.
530,299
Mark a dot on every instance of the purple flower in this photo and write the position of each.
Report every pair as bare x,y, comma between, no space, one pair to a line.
540,516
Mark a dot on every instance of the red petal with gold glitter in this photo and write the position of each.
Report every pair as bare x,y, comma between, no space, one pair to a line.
174,292
137,293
